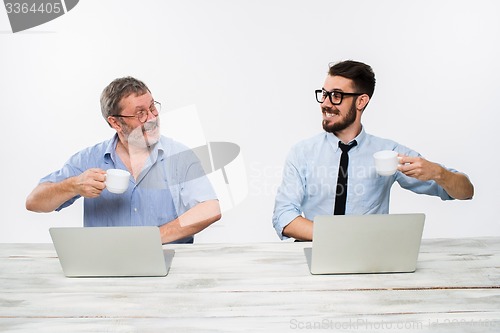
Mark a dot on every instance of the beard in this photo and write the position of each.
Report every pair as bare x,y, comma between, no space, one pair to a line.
144,136
342,124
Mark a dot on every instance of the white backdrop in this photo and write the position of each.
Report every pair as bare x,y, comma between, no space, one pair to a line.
250,68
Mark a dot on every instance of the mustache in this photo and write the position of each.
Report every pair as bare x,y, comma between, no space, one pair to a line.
150,125
330,110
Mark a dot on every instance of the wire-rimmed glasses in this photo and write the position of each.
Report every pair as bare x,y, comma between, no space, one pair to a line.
142,115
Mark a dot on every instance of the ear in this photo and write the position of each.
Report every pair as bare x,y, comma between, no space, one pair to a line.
115,124
362,102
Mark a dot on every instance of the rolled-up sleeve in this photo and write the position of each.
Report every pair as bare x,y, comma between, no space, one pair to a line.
289,196
429,187
188,181
68,170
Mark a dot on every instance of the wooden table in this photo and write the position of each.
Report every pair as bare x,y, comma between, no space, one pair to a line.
255,287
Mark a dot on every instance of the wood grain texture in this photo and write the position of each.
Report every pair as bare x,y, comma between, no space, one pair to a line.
255,287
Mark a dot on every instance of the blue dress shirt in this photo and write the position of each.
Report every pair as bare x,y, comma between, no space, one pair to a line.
171,182
310,179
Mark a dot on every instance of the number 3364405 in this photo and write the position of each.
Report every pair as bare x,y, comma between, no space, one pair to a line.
25,8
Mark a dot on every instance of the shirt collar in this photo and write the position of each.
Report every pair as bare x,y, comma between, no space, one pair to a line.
110,151
360,138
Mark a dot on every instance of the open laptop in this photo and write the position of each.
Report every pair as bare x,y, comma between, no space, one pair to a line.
350,244
111,251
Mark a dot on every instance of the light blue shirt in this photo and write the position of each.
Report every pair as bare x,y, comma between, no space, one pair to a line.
310,179
171,182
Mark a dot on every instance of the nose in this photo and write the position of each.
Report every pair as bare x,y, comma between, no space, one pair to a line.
151,115
326,103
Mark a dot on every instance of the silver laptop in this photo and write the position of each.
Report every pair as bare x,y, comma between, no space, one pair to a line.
350,244
111,251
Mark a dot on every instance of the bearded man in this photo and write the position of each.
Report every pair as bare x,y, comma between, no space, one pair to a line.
167,187
333,173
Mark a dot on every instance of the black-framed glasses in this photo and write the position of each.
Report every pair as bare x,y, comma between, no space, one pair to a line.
335,96
142,115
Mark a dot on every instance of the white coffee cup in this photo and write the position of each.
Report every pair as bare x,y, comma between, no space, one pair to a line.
117,180
386,162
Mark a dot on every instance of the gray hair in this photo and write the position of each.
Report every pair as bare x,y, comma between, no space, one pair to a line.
116,91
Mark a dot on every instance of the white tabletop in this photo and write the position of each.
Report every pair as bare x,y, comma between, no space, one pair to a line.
255,287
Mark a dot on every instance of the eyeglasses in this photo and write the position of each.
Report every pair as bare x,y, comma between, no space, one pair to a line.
334,96
142,115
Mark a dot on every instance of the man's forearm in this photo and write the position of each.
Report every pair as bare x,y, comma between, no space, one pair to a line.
47,197
457,185
191,222
300,228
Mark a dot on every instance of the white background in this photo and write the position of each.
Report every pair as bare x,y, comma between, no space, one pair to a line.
250,68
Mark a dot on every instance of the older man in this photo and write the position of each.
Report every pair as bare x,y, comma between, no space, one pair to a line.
168,187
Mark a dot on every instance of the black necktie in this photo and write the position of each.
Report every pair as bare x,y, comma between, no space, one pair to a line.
341,192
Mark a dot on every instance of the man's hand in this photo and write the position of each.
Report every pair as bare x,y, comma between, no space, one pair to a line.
419,168
90,183
48,196
456,184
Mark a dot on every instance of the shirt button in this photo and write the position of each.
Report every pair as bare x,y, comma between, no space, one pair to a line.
135,209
